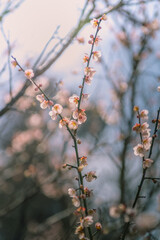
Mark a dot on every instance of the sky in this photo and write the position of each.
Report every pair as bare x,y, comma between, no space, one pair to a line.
32,25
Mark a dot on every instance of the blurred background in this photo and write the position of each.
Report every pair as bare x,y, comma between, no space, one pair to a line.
51,37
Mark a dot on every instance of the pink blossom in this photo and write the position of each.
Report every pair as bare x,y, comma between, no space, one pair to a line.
144,114
87,221
85,59
74,99
88,193
63,122
40,98
73,124
88,80
104,17
96,55
139,150
57,108
144,126
90,176
137,127
89,72
80,115
98,226
80,232
85,96
29,73
72,192
94,23
14,63
97,40
75,201
146,133
53,115
147,143
83,161
44,103
147,163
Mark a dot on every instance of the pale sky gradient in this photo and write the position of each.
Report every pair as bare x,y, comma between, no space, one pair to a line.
33,23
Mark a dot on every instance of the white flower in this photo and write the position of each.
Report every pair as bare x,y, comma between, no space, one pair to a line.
96,55
139,150
147,163
75,201
72,192
29,73
147,143
57,109
74,99
144,114
73,124
87,221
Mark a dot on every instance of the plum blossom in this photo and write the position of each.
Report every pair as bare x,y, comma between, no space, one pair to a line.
96,55
85,96
94,22
87,221
75,201
95,41
83,161
144,126
90,176
80,115
104,17
80,231
85,59
63,122
29,73
88,80
14,63
144,114
136,109
74,99
72,192
44,103
56,109
87,193
137,128
73,124
98,226
147,143
139,150
89,72
147,163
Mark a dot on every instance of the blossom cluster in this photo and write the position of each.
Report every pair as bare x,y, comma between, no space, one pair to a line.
77,117
142,127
